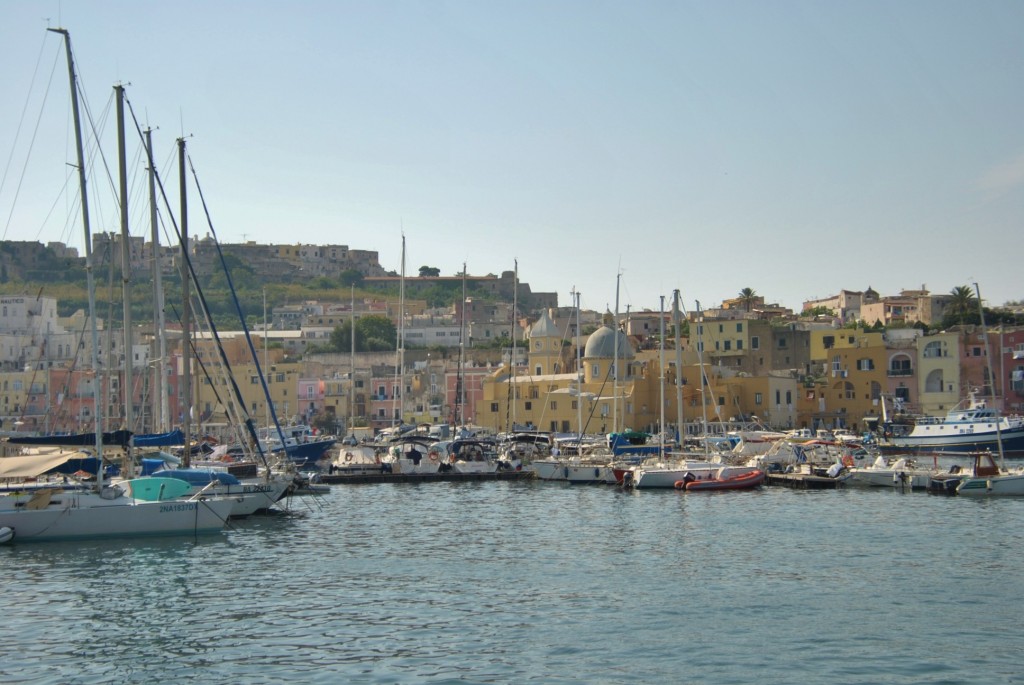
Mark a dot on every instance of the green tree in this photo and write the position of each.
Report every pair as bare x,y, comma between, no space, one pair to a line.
749,298
373,334
351,277
429,271
962,307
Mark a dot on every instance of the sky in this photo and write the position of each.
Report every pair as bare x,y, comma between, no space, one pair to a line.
622,149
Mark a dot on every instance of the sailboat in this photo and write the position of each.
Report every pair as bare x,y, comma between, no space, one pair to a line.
36,513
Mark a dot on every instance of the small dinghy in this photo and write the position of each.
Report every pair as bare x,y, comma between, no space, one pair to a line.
742,481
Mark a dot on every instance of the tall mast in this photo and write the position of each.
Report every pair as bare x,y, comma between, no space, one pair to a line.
704,385
512,359
991,378
186,313
160,409
266,360
126,266
677,324
89,278
579,378
462,352
396,401
615,363
661,377
352,360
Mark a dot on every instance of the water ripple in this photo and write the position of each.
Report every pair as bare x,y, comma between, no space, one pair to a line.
536,582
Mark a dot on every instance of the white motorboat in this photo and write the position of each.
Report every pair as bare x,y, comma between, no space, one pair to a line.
898,473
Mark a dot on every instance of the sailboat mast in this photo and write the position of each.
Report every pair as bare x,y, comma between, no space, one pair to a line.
186,313
661,377
512,359
89,276
352,360
704,386
579,378
615,363
988,369
462,352
160,409
677,324
399,345
126,266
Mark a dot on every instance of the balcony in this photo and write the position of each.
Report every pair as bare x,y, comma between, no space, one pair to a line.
894,373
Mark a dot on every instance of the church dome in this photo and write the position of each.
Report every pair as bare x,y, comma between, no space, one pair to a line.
601,344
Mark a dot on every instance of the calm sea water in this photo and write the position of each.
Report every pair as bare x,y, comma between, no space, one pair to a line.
537,582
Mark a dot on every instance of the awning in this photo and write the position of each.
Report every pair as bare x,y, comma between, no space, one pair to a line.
35,464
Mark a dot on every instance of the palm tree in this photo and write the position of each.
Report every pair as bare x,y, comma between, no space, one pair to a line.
963,306
748,297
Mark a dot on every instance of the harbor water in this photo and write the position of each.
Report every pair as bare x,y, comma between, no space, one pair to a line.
513,582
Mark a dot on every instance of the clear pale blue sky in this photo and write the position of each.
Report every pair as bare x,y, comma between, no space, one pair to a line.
796,148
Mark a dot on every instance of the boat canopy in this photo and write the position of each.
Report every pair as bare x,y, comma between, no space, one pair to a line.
34,465
118,438
175,437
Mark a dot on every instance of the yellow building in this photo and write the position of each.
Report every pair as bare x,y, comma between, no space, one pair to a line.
849,376
556,395
215,395
938,373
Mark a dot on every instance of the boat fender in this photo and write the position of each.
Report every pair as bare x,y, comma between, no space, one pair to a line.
451,459
848,461
434,455
348,456
6,534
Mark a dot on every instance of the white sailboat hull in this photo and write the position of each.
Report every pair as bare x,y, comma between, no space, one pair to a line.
124,518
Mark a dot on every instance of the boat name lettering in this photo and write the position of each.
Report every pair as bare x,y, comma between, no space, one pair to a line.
183,506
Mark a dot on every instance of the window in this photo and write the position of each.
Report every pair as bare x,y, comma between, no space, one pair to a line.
739,344
739,328
597,370
865,364
728,345
554,405
829,341
494,407
755,342
757,398
782,343
529,405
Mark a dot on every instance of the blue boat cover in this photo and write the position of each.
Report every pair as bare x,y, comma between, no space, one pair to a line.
175,437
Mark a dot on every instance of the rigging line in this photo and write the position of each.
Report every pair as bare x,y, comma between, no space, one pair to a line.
98,149
35,133
245,328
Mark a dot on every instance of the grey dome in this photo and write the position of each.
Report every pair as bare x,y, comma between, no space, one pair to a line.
601,344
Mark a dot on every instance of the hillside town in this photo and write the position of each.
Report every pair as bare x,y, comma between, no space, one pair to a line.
516,359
